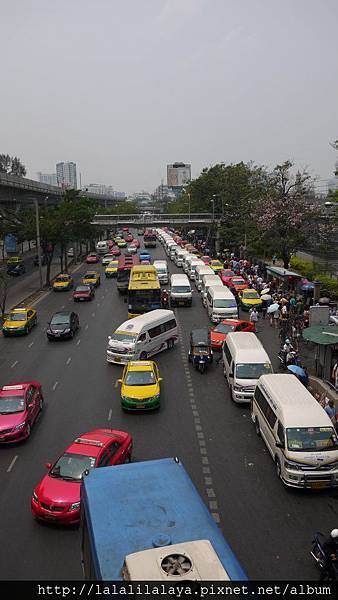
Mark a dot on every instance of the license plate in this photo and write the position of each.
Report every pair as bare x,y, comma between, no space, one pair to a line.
141,406
81,299
318,485
181,303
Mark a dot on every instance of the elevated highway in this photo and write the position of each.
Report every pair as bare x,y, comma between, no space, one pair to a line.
156,220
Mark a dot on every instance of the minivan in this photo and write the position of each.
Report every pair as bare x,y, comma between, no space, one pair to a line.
143,336
192,267
221,303
207,281
162,270
180,253
180,290
202,269
244,360
102,247
297,432
186,261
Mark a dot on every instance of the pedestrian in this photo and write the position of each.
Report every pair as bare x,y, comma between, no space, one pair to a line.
276,317
264,308
330,410
274,258
253,315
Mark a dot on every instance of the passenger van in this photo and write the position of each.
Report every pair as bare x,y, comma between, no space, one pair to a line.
186,261
180,253
162,270
143,336
244,360
202,269
221,303
102,247
192,267
207,281
297,432
180,290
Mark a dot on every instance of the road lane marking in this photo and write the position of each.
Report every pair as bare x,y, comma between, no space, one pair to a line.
116,383
55,386
14,364
30,345
12,463
68,360
110,414
63,306
78,342
93,314
86,327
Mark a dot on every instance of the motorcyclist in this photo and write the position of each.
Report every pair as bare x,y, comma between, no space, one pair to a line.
165,298
330,547
287,346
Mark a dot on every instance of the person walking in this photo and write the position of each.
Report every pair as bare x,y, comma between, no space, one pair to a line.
254,316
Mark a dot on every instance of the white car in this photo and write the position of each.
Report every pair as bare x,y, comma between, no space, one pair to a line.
107,258
70,252
131,249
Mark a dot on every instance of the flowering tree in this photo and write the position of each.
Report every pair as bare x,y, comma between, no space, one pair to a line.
287,214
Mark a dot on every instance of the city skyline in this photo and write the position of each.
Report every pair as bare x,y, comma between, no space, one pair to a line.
242,81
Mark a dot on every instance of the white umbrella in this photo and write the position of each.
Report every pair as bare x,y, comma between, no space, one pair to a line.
273,308
266,297
265,291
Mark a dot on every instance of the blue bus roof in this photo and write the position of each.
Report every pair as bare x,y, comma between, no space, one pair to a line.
127,506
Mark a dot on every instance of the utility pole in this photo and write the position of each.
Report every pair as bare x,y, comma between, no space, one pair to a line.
37,223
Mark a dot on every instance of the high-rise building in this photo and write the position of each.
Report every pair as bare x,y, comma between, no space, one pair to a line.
66,175
49,178
178,174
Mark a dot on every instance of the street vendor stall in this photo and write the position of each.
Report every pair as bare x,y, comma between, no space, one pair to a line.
325,337
288,279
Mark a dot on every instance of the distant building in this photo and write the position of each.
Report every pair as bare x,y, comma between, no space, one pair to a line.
178,174
66,175
49,178
99,188
163,192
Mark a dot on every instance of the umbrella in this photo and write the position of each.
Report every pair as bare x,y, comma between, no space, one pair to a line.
273,307
265,291
265,297
298,371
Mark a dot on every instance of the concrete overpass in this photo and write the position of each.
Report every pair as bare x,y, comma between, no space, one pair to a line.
156,220
21,191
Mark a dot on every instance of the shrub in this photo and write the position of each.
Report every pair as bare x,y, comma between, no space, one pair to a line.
304,267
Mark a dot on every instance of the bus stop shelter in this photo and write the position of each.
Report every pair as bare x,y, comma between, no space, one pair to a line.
289,279
325,338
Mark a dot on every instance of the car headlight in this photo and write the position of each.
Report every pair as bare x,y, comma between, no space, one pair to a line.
20,426
67,330
35,497
291,465
154,398
74,506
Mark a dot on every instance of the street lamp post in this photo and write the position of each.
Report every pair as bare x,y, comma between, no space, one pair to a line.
37,223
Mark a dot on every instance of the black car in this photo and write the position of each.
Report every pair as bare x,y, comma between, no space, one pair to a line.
16,270
62,325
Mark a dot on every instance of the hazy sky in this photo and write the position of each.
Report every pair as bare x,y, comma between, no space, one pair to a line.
123,87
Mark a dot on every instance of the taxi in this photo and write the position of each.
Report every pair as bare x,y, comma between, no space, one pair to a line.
238,283
121,243
140,386
91,278
63,283
19,321
13,261
216,265
111,269
249,298
219,332
20,406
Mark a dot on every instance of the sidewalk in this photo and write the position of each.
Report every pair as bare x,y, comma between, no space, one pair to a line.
23,250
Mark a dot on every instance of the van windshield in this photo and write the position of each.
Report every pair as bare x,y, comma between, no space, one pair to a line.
225,303
181,289
121,336
252,371
309,439
161,270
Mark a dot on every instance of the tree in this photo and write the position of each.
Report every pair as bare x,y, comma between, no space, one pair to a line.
12,165
287,213
4,280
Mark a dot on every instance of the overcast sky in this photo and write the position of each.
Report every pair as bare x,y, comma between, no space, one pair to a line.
124,87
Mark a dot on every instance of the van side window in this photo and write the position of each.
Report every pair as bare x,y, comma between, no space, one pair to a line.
142,337
227,354
265,408
281,433
209,299
154,331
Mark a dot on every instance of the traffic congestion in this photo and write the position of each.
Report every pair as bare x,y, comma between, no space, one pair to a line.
151,349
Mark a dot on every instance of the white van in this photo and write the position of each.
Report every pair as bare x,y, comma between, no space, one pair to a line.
221,303
142,336
102,247
297,432
180,290
162,270
207,281
180,253
202,269
186,261
192,267
173,251
244,360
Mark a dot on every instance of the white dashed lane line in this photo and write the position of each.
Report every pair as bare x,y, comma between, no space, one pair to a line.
12,463
30,345
86,327
14,364
116,383
68,360
78,342
110,414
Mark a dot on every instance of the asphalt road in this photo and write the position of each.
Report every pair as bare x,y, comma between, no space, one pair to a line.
269,527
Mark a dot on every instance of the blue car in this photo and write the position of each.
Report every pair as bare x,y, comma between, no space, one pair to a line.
145,256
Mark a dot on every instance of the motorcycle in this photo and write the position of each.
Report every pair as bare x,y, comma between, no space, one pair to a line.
288,358
328,568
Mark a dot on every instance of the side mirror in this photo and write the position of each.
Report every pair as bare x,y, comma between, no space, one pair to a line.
109,337
120,380
48,466
231,375
160,379
279,444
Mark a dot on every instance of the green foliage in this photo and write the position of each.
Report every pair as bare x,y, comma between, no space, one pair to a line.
329,286
12,165
307,268
304,267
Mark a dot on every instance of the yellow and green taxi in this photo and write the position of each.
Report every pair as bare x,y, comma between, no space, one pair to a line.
111,269
19,321
216,265
249,298
140,386
63,282
14,260
92,278
121,243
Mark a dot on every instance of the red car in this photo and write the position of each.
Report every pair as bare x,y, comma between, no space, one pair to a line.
135,243
83,292
115,251
238,283
57,497
20,405
226,275
206,259
92,258
220,331
125,228
129,237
